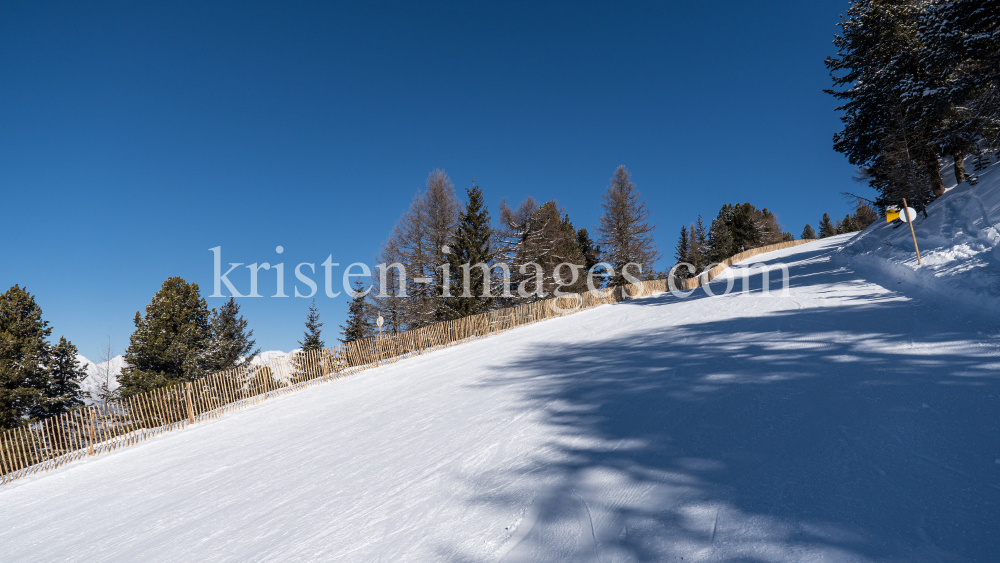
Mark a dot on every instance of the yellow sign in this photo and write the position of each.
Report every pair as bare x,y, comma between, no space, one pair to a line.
891,215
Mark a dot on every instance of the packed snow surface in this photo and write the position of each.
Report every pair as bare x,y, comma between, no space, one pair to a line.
848,420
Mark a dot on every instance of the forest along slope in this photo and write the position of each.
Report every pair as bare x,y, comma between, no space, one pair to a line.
845,421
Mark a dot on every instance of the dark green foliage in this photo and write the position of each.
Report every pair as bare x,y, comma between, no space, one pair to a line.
311,338
471,246
787,237
720,241
37,380
170,341
231,344
24,351
359,323
808,232
591,252
826,227
62,393
683,254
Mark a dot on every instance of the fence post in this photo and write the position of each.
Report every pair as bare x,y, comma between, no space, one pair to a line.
90,448
190,407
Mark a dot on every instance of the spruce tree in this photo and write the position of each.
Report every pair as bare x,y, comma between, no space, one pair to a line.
720,241
826,227
591,252
65,374
625,233
683,253
170,343
231,344
359,323
311,338
471,246
808,232
24,352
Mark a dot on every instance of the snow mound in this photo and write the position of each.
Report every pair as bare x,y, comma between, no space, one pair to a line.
959,243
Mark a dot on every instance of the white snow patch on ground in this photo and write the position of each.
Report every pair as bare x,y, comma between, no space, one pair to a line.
845,421
959,244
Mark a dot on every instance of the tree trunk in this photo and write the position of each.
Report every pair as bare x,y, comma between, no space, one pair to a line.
934,170
960,174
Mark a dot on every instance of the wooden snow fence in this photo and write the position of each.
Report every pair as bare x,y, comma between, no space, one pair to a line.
705,277
54,442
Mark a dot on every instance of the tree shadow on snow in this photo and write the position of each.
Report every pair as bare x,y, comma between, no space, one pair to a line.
856,432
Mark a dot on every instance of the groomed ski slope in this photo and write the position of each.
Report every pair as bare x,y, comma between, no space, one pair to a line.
844,422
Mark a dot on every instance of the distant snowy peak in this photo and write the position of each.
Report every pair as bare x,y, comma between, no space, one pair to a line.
269,355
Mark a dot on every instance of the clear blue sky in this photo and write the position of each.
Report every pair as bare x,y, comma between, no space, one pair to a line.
134,137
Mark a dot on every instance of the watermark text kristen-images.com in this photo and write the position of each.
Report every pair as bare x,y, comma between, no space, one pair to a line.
564,275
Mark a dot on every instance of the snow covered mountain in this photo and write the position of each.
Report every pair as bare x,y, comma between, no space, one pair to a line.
97,371
850,419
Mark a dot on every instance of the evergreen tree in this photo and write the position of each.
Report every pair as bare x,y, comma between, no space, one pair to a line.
231,344
63,392
826,227
960,85
539,235
625,233
700,240
845,226
472,246
170,342
720,241
359,323
889,113
864,216
590,251
683,252
311,338
808,232
24,353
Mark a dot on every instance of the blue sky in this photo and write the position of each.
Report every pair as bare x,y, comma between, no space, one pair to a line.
135,137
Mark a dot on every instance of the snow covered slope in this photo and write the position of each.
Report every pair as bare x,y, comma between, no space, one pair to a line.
959,243
846,421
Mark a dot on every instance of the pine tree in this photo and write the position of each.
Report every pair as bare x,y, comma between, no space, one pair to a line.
683,253
24,352
230,344
472,246
826,227
359,323
888,106
700,238
63,392
960,85
539,235
311,338
808,232
625,234
170,343
590,251
720,241
864,216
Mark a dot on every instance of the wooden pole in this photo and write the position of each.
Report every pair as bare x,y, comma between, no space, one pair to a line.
90,449
909,221
190,407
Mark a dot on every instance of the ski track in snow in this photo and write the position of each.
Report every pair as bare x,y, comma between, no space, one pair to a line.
846,421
